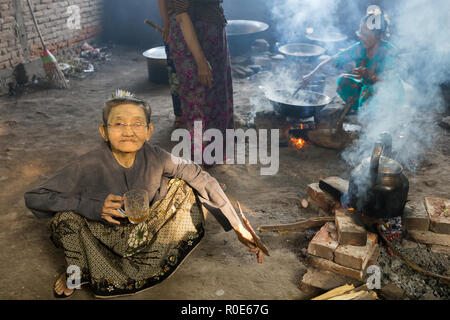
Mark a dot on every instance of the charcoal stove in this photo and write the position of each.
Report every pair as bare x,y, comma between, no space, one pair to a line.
298,127
295,131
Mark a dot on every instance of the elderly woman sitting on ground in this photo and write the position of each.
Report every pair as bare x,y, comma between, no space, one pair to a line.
114,256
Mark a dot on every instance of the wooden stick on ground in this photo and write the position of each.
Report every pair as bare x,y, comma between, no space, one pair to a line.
257,240
298,226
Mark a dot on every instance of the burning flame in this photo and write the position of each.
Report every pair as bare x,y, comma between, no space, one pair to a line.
297,143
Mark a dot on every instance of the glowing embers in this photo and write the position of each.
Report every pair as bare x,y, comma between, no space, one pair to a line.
297,143
297,132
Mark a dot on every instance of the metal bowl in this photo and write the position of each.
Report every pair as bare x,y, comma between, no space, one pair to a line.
156,53
326,37
242,33
302,50
157,64
242,27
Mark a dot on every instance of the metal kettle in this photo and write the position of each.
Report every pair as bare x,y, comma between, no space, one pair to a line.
377,187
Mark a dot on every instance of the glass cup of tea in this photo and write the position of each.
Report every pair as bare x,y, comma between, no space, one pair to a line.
136,205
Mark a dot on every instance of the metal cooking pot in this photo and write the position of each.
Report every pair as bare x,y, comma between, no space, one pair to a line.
305,104
157,65
242,33
326,37
331,41
378,188
301,50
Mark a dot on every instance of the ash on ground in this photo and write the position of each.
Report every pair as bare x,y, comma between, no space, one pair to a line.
415,284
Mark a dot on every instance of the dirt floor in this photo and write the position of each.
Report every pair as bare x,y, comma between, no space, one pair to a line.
44,129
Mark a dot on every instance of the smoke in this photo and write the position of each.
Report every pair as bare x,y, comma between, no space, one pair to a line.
280,78
423,42
419,29
293,17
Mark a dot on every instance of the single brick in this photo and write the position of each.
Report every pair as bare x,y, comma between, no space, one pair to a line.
349,228
323,199
326,280
337,183
429,237
356,257
314,206
415,216
440,249
324,242
439,212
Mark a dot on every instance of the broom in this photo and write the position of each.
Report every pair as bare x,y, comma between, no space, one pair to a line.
51,66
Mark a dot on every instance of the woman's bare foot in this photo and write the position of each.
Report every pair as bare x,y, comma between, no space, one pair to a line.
61,289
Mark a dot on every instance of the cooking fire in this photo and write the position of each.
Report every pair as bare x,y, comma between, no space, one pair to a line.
297,143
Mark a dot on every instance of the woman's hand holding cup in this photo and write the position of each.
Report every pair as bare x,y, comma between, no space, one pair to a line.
110,206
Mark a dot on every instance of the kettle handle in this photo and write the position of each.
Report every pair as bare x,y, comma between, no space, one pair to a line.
386,140
382,146
375,162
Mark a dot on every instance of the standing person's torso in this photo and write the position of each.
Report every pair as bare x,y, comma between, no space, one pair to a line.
210,11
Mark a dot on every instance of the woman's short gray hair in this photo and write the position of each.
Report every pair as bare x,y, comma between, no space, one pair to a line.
124,100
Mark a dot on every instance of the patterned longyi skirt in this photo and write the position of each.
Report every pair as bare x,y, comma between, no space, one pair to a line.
127,258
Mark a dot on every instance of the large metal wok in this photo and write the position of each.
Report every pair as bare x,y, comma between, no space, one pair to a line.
326,37
242,33
331,41
302,50
305,104
242,27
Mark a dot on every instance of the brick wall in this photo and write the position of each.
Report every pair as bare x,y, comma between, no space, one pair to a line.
19,41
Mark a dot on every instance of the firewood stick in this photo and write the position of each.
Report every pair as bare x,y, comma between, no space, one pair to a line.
298,226
341,291
349,296
335,292
368,295
257,240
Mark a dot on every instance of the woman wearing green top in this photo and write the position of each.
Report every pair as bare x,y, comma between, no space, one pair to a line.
375,60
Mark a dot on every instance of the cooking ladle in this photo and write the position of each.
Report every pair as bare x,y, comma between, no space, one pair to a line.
302,84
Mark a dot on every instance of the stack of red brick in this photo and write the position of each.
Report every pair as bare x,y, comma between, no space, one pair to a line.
428,222
341,251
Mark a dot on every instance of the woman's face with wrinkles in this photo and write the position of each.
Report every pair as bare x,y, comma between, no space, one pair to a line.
127,129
